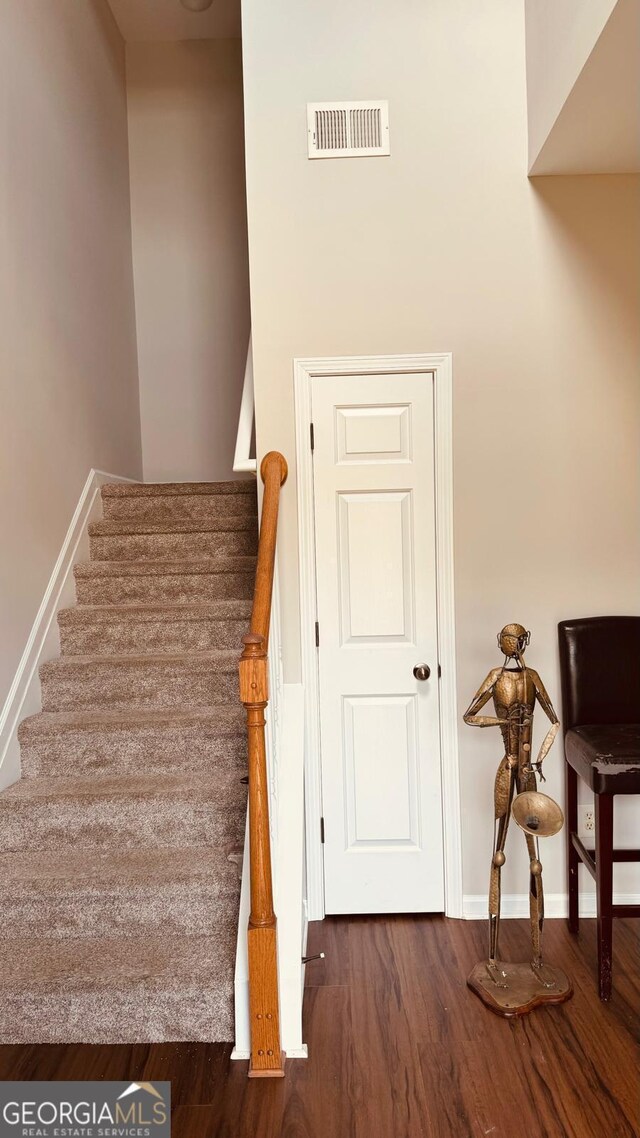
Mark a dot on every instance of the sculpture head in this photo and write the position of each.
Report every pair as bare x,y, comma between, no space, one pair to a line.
513,640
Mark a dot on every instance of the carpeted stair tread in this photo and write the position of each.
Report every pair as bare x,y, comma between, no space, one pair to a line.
148,547
98,893
143,989
124,528
224,659
173,964
222,719
221,659
130,810
166,501
231,564
126,628
184,679
172,582
109,785
198,627
80,869
177,489
199,610
95,892
95,741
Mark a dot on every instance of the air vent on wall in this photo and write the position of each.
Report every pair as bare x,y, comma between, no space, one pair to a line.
348,130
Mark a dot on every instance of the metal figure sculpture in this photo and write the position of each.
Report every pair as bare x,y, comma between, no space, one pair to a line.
513,989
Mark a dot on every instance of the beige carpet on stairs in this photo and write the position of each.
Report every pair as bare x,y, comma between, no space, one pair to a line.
120,845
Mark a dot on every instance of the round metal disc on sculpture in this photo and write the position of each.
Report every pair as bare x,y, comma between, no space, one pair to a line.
513,989
537,814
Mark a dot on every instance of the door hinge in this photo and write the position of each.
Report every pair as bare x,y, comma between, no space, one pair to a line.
322,830
317,635
439,671
312,439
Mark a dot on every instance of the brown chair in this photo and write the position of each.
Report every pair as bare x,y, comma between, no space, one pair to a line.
600,675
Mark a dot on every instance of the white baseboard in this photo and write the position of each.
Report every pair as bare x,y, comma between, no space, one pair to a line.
292,922
43,643
241,978
516,905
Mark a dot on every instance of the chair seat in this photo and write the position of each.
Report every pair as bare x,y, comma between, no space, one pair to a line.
606,756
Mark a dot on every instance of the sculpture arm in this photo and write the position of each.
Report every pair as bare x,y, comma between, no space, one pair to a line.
547,707
482,696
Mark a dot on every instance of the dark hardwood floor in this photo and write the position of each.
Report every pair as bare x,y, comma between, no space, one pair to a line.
400,1048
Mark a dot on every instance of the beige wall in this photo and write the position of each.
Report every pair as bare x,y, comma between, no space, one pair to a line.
446,246
189,251
68,371
560,36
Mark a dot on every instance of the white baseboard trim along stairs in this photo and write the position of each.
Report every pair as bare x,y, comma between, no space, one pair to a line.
120,845
44,640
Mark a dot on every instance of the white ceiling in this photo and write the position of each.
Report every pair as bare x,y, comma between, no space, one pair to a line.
148,20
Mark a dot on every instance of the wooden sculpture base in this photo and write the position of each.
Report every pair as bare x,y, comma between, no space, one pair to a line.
520,989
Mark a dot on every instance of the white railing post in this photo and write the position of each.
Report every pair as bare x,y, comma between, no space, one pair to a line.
242,461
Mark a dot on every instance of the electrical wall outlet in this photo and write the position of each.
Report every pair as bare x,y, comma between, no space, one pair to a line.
586,820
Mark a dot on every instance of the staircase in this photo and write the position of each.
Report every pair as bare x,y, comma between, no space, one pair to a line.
120,847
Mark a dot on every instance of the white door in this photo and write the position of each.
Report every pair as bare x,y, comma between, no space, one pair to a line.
376,593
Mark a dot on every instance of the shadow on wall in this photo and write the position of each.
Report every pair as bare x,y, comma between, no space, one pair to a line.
593,272
589,231
589,219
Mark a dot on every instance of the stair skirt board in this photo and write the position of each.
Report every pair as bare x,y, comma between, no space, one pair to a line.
43,642
121,845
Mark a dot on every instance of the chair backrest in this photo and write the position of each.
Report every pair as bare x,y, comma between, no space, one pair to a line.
600,670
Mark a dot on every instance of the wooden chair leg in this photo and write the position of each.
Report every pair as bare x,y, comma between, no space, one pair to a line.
604,889
573,861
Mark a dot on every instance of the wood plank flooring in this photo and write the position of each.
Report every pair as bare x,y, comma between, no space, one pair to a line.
400,1048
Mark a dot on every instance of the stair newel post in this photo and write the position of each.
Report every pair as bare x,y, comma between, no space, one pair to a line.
266,1054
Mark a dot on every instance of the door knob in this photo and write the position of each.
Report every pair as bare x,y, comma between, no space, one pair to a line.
422,671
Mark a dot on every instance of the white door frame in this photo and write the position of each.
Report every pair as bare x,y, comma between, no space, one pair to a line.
440,367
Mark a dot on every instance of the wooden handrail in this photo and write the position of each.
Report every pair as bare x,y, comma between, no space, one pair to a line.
267,1058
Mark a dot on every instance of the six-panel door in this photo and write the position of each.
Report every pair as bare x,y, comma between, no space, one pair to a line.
376,582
